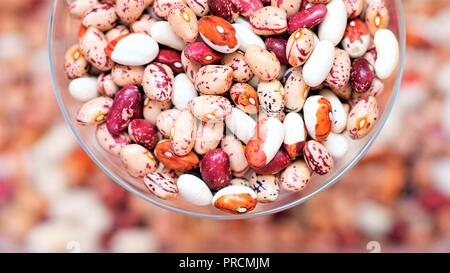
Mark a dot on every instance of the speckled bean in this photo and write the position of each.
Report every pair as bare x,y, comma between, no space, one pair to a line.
152,108
210,108
161,185
356,39
241,70
123,75
199,7
224,8
183,133
75,64
143,133
362,118
93,45
264,64
214,79
247,7
295,177
106,85
110,143
101,16
162,7
137,160
94,111
296,89
129,10
191,68
266,188
271,97
184,23
166,120
269,21
208,136
143,25
339,75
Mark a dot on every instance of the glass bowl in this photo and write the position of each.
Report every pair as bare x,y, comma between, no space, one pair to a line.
63,33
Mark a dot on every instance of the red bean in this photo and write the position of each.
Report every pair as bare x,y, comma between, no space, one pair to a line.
362,75
215,169
276,165
171,58
200,52
307,18
278,46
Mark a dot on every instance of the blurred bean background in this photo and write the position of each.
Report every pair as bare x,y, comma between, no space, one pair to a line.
53,198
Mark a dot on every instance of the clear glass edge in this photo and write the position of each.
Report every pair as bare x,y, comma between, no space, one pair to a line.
334,180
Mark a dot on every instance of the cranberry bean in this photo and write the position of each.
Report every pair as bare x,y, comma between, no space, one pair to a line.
117,31
317,158
210,108
171,58
162,7
241,70
143,132
122,110
278,46
354,7
214,79
269,21
137,160
129,10
271,96
191,68
79,8
143,25
307,18
166,120
339,75
101,16
183,133
110,143
208,136
158,82
152,108
215,169
362,75
264,64
106,85
93,45
290,6
199,7
123,75
200,52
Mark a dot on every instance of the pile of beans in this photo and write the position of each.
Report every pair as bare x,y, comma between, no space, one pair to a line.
226,101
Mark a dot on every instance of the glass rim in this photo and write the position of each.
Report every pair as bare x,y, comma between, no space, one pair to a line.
300,200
